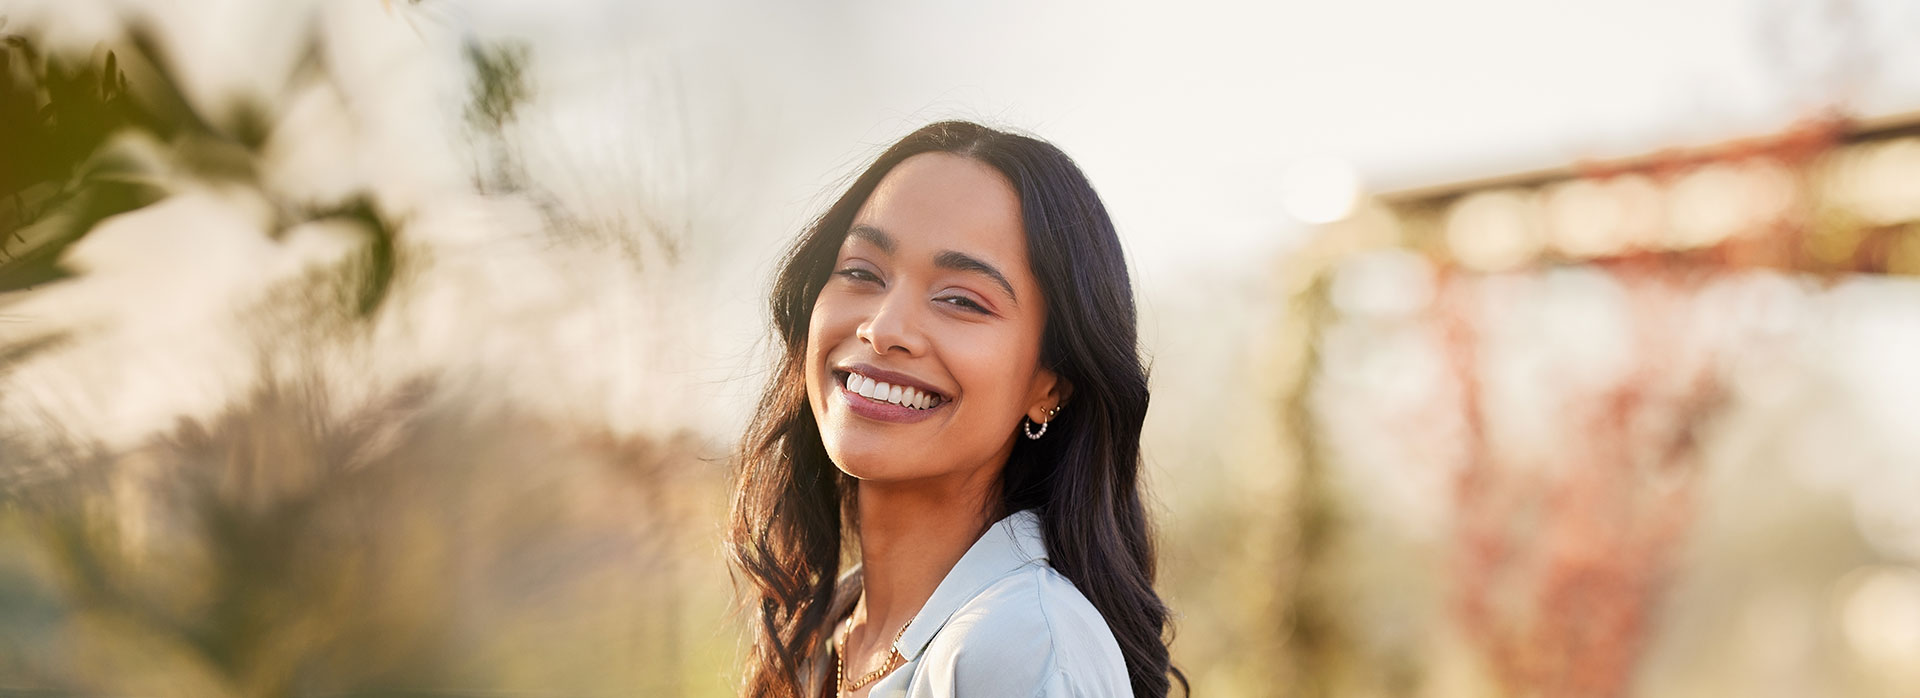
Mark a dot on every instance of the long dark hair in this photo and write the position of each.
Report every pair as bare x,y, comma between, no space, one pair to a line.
791,505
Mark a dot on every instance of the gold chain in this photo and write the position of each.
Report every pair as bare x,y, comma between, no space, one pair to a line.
894,660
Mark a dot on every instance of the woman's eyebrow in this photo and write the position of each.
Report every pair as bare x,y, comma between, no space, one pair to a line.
877,237
949,259
959,261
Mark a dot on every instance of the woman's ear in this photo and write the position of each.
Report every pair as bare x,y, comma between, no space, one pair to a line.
1052,391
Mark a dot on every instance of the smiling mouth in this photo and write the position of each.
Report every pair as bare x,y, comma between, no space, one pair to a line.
880,391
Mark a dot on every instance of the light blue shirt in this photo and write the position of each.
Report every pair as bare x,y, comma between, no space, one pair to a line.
1004,624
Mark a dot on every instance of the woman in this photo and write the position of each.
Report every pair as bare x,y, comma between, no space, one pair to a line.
957,409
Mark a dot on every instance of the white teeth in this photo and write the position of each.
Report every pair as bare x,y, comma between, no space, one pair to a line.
897,394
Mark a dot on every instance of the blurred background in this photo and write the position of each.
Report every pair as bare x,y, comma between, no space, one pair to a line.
1499,348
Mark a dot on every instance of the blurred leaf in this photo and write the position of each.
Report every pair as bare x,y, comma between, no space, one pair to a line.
68,219
17,352
371,274
55,115
499,82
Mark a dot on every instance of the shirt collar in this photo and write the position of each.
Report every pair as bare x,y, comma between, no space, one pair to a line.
1008,545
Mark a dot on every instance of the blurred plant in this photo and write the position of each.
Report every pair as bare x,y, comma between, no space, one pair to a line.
306,541
244,560
84,144
499,83
80,143
500,86
57,114
288,547
1560,561
1320,657
1558,566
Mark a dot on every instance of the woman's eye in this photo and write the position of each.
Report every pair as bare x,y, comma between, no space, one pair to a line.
857,274
964,302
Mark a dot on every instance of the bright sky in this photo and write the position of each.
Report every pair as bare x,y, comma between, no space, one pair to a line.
748,113
1187,116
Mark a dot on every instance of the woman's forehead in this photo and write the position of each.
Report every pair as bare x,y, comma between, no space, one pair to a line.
935,202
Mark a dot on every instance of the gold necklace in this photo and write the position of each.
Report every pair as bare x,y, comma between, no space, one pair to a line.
894,660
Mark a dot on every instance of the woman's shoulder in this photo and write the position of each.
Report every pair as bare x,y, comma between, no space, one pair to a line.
1029,633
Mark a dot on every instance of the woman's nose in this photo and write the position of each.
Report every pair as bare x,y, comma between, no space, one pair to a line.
894,325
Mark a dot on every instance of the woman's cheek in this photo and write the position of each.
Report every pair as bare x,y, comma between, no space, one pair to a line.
984,365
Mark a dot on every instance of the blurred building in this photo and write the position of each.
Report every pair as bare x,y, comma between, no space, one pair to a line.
1618,428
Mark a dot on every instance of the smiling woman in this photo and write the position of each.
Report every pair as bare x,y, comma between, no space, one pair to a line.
907,311
957,413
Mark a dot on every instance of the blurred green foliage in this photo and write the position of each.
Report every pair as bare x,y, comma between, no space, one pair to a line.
56,115
402,546
78,145
299,543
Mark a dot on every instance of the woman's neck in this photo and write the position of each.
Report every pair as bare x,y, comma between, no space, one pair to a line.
909,540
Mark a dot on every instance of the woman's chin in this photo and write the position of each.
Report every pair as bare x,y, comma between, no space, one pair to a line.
865,465
865,457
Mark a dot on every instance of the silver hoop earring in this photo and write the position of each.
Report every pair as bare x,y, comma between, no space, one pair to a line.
1026,424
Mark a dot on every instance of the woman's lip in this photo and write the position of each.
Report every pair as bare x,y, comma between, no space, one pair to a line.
882,411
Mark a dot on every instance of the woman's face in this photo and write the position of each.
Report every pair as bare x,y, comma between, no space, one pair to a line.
923,347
